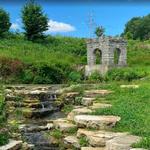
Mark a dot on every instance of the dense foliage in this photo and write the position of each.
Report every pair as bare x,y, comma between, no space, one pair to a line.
34,20
138,28
4,22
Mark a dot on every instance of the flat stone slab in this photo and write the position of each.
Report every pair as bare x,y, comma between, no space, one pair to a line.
100,106
71,141
97,92
122,143
130,86
97,122
12,145
138,149
64,127
78,111
87,101
93,148
98,138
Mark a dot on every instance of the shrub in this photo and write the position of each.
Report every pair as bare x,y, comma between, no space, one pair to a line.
74,76
10,66
127,74
4,22
96,77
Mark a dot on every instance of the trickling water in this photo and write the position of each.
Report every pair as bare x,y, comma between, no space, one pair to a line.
42,106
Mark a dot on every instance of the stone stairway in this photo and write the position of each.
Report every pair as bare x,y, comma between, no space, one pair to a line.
95,129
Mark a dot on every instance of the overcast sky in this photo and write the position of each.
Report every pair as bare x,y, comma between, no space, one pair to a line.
71,19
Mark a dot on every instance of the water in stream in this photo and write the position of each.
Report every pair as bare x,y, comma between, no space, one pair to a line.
34,129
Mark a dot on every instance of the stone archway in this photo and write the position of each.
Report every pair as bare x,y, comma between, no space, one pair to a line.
117,53
98,56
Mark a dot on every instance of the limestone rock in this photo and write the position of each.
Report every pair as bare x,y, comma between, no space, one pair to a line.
50,126
87,101
71,141
100,106
64,127
98,122
98,138
78,111
92,148
138,149
71,94
12,145
130,86
122,143
97,92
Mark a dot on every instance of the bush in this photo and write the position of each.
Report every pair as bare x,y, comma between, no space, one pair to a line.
75,76
96,77
4,22
127,74
10,66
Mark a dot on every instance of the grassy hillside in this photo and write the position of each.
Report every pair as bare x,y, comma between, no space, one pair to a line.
60,59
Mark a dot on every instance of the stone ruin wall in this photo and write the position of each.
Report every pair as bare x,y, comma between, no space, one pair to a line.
107,46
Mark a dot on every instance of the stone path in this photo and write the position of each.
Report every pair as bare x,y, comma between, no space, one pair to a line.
95,129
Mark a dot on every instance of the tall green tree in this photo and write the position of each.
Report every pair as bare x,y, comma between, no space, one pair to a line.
138,28
4,22
99,31
34,20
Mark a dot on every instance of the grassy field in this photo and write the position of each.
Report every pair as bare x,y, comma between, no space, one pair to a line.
133,106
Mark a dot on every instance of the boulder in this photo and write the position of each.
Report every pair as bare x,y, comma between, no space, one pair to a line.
97,122
12,145
122,142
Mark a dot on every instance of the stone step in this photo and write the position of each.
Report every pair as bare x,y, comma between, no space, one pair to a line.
93,93
130,86
98,138
12,145
97,122
99,106
78,111
71,142
122,143
93,148
64,126
87,101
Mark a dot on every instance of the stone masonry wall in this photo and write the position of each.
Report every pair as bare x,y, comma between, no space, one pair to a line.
107,46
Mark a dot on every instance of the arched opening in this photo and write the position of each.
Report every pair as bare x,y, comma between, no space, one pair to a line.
116,55
98,56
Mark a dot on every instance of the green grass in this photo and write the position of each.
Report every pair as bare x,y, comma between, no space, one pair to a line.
133,106
66,49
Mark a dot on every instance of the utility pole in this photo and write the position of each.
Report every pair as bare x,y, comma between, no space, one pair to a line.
91,24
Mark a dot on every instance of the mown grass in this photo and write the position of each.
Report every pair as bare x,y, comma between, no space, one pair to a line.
133,106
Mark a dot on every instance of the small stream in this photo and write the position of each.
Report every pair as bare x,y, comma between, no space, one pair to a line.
34,130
